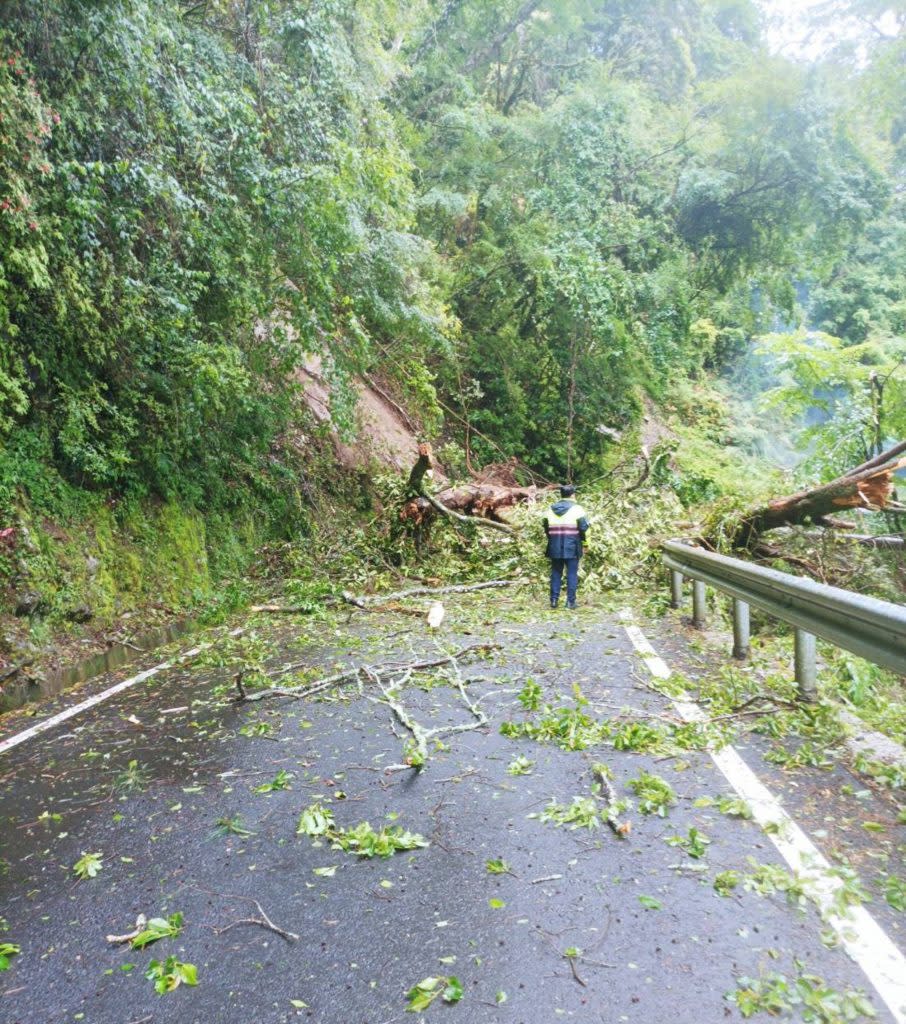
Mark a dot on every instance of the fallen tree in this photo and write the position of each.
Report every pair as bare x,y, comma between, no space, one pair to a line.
869,486
479,503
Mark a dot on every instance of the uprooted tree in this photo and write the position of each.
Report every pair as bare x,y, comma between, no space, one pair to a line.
479,502
869,486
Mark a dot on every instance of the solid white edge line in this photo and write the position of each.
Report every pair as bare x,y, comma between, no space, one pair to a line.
98,698
863,938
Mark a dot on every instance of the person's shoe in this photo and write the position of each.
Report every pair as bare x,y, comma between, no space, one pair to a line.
571,604
554,604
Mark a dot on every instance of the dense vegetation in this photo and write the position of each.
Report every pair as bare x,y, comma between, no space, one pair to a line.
523,216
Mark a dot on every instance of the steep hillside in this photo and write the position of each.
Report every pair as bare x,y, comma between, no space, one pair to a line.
501,228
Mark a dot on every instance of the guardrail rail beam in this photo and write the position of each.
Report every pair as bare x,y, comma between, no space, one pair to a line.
865,626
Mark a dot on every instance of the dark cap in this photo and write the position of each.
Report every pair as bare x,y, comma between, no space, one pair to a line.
567,490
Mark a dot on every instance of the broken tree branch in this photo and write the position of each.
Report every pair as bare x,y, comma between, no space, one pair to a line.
868,486
354,674
417,474
421,735
644,473
263,922
140,923
867,540
368,600
621,829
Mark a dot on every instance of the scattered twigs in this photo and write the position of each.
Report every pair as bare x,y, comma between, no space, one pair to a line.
140,923
620,829
481,719
458,777
746,707
571,960
597,963
866,540
420,735
262,922
635,713
395,606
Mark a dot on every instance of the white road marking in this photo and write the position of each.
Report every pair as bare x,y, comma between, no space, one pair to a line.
862,937
98,698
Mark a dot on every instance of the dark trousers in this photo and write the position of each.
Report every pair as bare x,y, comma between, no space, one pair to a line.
571,565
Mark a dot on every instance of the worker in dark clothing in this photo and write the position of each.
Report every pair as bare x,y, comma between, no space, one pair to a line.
565,523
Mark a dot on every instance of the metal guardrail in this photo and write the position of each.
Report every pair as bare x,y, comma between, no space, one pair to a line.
872,629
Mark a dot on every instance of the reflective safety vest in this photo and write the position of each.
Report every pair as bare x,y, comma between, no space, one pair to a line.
565,523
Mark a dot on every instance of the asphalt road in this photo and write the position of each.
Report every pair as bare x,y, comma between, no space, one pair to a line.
583,926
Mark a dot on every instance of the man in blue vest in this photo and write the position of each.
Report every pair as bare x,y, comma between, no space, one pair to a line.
565,523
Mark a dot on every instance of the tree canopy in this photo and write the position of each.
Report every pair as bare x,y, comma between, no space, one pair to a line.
533,212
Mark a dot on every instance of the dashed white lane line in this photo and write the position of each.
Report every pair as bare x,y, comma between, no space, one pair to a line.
862,937
98,698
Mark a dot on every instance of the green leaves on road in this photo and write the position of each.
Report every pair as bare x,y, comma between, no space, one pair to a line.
280,781
421,996
366,842
7,950
655,795
694,843
315,820
807,996
232,826
726,881
158,928
362,839
583,812
732,806
520,766
88,865
170,974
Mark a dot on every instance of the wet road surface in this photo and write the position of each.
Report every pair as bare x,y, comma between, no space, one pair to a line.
583,926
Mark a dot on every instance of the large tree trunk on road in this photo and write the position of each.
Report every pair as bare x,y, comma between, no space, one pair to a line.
869,486
480,503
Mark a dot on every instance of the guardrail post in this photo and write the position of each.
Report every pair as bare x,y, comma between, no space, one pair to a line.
740,629
806,669
698,604
676,588
865,626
